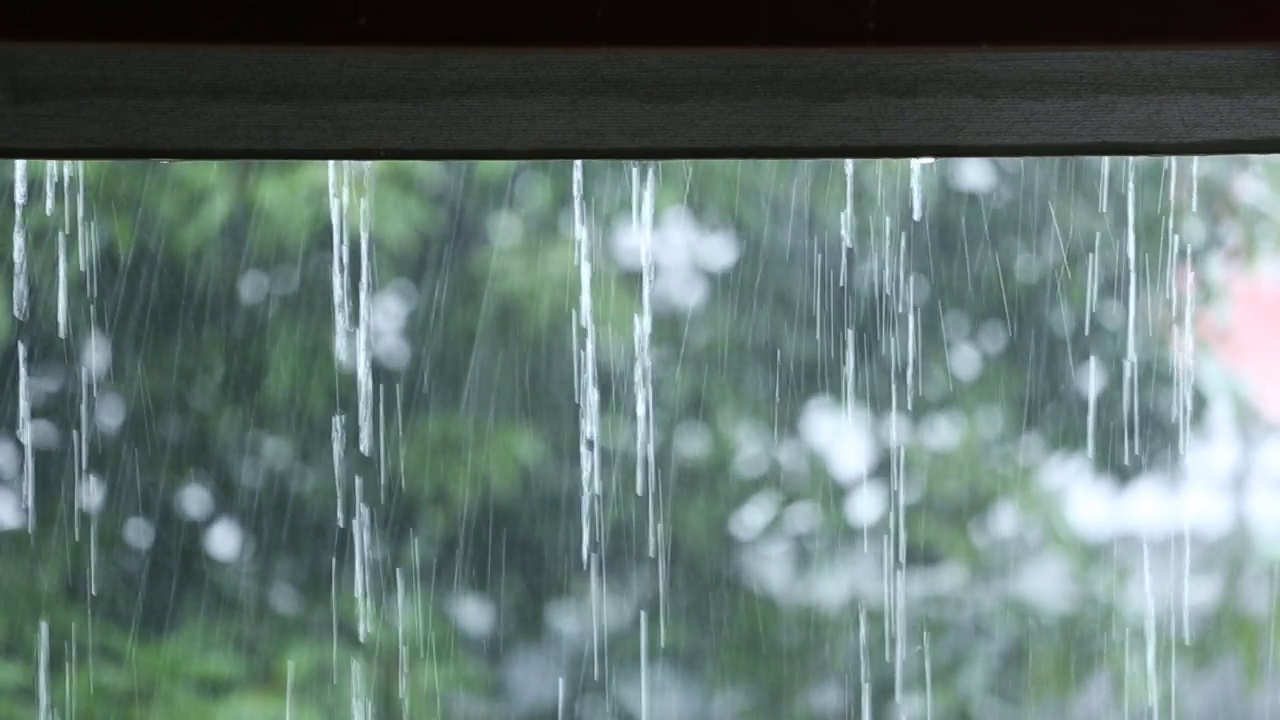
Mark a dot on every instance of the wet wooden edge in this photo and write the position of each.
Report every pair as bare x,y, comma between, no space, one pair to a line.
100,101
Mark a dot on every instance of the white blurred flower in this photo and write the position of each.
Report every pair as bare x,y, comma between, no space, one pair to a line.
1262,516
284,598
389,314
1091,509
964,361
252,286
139,533
95,356
1046,582
473,614
92,494
224,539
12,515
10,459
194,502
801,517
1207,511
109,413
846,442
683,254
866,504
692,441
754,516
942,431
974,175
1004,520
1149,508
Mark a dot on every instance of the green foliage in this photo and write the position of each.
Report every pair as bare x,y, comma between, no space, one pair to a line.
474,474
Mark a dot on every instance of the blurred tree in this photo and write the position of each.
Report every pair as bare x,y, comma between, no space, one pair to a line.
188,551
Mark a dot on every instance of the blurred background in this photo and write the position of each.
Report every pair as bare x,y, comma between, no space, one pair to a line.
964,438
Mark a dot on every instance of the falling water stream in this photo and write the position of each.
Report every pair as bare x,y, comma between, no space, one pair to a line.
653,440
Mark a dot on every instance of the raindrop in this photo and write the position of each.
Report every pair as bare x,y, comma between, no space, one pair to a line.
965,362
473,614
505,229
750,520
12,516
942,431
974,175
284,598
194,502
92,494
692,441
109,413
1090,508
1090,379
992,336
716,252
253,286
866,503
95,357
44,435
801,518
224,539
392,351
139,533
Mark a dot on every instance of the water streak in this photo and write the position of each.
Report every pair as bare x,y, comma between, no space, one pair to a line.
21,291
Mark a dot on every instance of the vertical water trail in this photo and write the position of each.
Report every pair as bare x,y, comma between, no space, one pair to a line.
1195,183
333,614
646,468
63,318
1188,358
402,648
361,531
911,345
73,667
585,353
364,350
917,192
1104,185
80,211
382,443
1131,355
24,436
593,572
886,562
338,441
928,680
863,670
290,669
1170,234
361,703
1092,417
50,186
83,437
560,699
644,665
1149,633
338,267
1091,268
846,221
362,522
1125,691
42,686
20,288
664,557
66,188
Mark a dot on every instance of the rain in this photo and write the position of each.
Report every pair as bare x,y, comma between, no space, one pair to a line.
641,440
